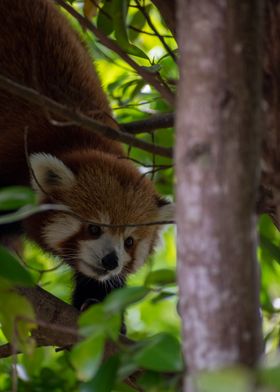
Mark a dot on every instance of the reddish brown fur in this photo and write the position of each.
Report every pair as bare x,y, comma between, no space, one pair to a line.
40,50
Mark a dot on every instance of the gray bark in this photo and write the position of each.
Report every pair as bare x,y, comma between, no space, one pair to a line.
217,160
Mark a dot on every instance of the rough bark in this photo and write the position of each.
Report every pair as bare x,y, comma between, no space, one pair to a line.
217,159
269,198
57,322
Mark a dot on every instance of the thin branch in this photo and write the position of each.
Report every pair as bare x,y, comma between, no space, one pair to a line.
39,270
149,33
155,81
154,165
151,25
24,213
79,118
30,166
150,124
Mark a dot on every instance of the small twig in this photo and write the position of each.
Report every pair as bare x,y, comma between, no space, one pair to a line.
148,32
24,213
30,167
153,171
155,81
79,118
41,271
154,157
14,359
27,211
152,26
163,167
133,105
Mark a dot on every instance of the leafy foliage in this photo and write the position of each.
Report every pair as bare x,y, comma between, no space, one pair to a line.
150,301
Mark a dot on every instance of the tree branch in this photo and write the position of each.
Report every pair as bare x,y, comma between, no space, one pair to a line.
78,118
153,28
153,79
150,124
57,322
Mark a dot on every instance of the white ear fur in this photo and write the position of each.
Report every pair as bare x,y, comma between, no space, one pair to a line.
50,172
166,212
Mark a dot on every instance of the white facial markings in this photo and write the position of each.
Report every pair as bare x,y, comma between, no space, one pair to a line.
142,247
86,270
50,172
91,253
166,212
103,217
60,229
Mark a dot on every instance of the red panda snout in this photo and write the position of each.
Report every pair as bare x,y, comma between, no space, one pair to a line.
103,257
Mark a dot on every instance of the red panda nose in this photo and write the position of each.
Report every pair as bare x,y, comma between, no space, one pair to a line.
110,262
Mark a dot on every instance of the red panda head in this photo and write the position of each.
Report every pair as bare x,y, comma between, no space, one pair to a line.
100,189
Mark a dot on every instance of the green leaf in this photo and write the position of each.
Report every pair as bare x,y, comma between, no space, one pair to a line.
138,20
152,69
160,353
105,378
86,356
129,84
151,381
15,315
120,299
230,380
131,49
96,321
120,9
11,269
270,246
161,277
270,375
137,89
15,197
121,387
105,19
162,296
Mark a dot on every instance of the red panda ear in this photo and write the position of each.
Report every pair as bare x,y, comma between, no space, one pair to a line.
50,172
166,209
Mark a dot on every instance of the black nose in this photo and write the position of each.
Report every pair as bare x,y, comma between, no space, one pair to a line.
110,261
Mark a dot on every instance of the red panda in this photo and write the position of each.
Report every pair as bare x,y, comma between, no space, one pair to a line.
73,166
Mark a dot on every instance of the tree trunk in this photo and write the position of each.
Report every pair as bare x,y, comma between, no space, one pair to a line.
217,160
269,197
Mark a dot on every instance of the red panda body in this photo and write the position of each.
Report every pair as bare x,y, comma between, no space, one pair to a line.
40,50
73,166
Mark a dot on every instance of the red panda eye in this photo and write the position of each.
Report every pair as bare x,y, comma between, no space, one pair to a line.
94,230
128,243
